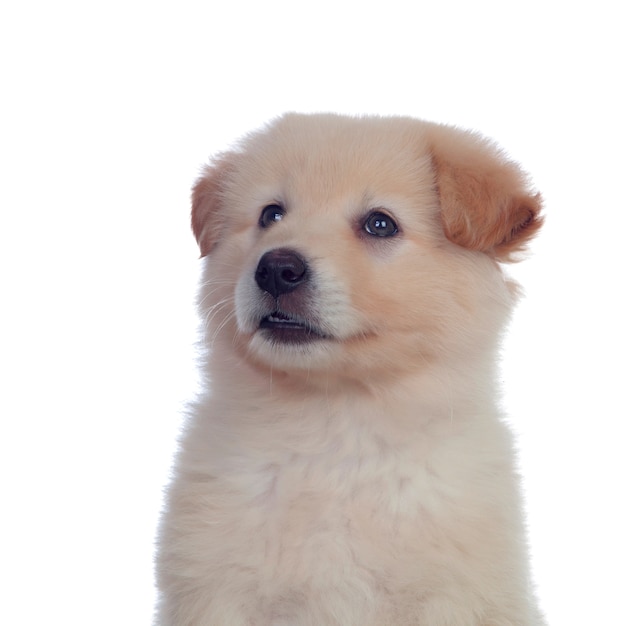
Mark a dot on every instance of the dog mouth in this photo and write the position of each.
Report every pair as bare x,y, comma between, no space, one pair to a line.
286,328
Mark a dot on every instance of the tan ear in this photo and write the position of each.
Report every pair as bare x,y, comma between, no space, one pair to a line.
207,216
486,200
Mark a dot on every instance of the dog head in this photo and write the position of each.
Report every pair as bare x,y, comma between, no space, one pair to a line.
359,244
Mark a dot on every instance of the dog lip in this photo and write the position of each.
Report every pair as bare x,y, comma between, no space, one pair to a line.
280,318
285,327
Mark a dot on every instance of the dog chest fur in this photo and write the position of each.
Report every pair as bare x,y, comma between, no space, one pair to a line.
332,505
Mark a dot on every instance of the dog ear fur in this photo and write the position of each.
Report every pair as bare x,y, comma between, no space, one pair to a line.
207,219
486,200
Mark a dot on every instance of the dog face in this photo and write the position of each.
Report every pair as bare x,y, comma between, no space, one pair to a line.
359,246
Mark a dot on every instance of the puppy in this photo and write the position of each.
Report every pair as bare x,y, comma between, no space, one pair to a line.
348,465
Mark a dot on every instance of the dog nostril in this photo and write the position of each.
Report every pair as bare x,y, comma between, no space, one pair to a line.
290,276
280,271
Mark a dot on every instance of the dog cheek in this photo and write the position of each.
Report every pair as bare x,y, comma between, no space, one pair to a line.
333,297
247,305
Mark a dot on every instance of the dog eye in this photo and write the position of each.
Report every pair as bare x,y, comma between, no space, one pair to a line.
270,214
380,225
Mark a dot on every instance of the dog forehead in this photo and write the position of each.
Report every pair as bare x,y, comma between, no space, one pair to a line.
326,156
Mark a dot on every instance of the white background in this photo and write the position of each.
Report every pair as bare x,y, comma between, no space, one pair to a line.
107,112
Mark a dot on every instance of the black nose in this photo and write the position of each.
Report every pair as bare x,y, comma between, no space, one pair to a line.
280,271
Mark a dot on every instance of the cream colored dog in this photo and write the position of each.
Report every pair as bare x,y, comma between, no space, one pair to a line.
349,465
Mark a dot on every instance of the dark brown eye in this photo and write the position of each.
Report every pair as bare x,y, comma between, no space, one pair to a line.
380,225
270,214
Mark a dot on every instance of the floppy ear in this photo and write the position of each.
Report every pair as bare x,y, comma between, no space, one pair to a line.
486,200
207,215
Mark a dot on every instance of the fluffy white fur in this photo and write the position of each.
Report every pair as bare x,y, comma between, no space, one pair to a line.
364,477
